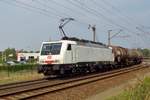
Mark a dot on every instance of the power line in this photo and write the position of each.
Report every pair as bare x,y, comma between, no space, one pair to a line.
119,11
109,20
27,8
55,13
106,18
109,11
51,8
37,8
80,14
140,29
87,10
128,18
98,14
66,7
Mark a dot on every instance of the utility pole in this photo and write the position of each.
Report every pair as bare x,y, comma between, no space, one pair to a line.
110,37
109,31
94,31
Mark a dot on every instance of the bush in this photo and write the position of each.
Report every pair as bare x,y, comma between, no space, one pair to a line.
20,67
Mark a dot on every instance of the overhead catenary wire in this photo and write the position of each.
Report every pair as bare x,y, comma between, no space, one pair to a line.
130,19
77,14
38,8
91,11
51,8
27,8
44,10
88,11
110,12
121,13
107,19
66,7
98,14
52,13
47,10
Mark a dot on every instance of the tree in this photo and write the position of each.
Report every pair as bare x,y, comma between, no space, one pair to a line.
1,57
145,52
10,54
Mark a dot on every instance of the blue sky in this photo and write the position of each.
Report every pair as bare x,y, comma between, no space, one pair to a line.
24,24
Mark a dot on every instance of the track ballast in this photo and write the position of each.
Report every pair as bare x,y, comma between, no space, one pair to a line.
31,90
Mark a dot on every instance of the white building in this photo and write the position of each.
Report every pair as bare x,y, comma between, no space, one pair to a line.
27,56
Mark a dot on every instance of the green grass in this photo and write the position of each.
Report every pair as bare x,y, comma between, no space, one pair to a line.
16,73
140,92
18,76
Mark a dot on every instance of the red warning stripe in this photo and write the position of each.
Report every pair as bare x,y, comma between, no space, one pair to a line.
49,61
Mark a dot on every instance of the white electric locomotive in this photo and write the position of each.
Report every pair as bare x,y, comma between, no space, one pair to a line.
71,55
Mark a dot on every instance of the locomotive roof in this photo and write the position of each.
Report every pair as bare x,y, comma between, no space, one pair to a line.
84,42
81,42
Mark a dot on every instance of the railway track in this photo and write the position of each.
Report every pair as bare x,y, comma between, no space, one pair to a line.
31,90
22,83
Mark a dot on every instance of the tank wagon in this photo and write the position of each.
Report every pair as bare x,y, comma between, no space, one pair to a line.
135,57
124,56
72,55
120,55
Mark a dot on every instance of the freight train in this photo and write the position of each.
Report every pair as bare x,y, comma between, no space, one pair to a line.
72,55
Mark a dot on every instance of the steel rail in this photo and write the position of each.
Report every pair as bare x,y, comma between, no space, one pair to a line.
22,83
76,83
48,88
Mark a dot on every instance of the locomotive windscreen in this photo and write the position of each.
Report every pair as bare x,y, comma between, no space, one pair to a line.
51,49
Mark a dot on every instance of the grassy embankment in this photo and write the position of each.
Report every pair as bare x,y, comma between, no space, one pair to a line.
141,91
16,73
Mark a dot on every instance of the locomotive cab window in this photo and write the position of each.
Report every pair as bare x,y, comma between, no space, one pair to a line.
51,49
69,47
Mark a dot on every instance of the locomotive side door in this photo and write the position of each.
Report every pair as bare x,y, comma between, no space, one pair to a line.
73,53
68,54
